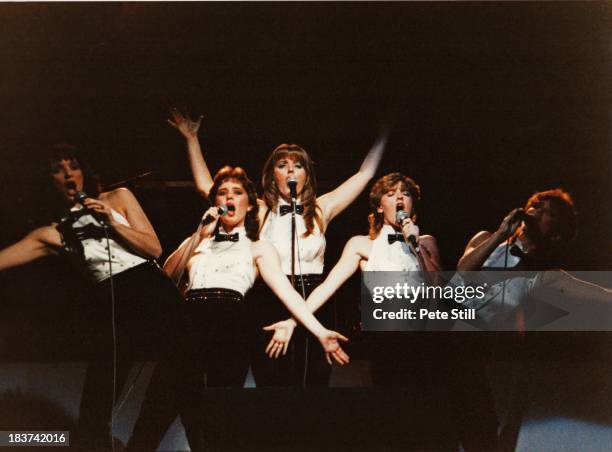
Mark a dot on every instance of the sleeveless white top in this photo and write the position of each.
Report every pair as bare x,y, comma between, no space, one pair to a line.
277,230
226,265
96,250
499,305
390,257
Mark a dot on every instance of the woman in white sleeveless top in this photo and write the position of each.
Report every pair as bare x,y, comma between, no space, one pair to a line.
304,363
223,259
386,248
108,234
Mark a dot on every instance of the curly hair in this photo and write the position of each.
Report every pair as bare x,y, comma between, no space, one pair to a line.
308,195
382,186
562,208
251,221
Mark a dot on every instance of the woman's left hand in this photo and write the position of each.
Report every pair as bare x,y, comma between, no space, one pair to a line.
279,343
330,341
101,208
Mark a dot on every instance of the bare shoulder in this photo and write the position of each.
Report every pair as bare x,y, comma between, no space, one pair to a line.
261,247
119,195
359,244
122,200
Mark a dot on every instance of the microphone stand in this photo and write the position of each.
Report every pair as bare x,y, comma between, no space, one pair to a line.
293,237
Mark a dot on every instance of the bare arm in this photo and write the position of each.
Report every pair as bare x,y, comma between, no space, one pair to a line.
38,243
482,244
199,169
346,266
268,263
334,202
140,235
177,261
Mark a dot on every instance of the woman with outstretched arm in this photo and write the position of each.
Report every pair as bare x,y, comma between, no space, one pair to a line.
304,363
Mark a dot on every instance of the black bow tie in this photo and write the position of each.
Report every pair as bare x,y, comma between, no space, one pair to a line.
226,237
516,251
395,238
285,209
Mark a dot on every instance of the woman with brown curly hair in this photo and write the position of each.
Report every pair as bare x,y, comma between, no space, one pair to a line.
393,244
304,265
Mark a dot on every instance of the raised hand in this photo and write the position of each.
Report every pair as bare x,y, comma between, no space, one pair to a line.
510,223
184,124
330,341
101,208
208,228
279,343
409,228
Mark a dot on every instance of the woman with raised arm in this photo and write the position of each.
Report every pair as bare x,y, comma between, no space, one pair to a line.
389,246
109,234
312,216
223,259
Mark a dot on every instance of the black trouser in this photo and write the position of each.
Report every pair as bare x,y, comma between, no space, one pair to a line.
218,356
146,306
305,363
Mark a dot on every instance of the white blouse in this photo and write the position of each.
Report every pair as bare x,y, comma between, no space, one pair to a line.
390,257
277,230
226,265
96,249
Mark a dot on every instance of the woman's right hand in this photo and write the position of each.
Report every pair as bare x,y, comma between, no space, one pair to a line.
510,224
184,124
208,229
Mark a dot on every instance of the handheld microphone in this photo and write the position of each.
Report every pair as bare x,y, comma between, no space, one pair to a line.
292,183
80,197
400,216
222,210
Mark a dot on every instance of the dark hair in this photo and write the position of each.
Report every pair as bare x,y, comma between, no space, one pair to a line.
64,151
562,208
251,222
382,186
53,204
308,195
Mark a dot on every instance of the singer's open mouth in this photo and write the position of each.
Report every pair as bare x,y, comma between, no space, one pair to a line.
399,207
70,185
231,208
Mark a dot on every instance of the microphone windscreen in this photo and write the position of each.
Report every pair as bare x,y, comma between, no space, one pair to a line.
80,196
222,209
400,216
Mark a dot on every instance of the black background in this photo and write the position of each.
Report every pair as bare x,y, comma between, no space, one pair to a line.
488,103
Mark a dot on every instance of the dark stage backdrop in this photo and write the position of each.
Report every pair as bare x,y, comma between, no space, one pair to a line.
486,102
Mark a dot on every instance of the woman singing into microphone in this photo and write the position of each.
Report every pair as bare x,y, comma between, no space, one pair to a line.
387,247
223,259
110,236
312,216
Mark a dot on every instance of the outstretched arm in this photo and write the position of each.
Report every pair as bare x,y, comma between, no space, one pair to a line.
189,129
268,263
346,266
336,201
38,243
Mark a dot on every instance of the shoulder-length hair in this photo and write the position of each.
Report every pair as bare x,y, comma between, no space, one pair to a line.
562,207
251,222
308,195
54,203
382,186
